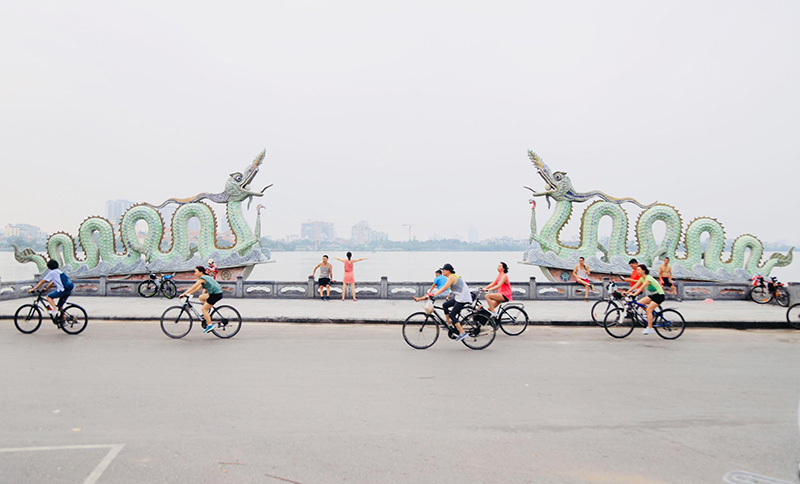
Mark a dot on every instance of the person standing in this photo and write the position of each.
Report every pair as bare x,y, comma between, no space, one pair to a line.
349,278
325,277
581,273
503,287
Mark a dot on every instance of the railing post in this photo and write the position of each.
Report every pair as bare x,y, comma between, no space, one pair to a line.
310,289
103,289
239,291
532,288
604,291
384,292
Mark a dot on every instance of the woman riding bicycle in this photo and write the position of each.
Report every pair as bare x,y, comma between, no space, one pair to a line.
504,289
212,295
651,302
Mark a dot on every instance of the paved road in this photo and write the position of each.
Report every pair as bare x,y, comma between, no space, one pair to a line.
322,403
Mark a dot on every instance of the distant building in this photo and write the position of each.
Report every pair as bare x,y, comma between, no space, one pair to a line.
317,231
25,231
362,234
115,209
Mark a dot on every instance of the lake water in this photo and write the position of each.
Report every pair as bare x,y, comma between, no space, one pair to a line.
397,266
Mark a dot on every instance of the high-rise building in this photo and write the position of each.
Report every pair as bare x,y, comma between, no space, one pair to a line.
24,230
115,209
317,231
362,234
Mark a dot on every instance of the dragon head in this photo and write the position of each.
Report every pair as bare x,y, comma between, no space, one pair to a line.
557,185
238,185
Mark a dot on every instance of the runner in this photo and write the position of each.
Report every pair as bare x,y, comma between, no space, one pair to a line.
646,281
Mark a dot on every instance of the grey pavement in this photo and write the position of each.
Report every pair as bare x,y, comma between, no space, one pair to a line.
744,314
324,403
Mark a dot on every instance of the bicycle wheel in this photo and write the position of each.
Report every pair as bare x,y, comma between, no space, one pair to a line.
760,294
176,322
669,324
169,290
74,319
782,296
792,316
617,324
480,330
420,330
148,288
28,318
601,308
513,320
227,321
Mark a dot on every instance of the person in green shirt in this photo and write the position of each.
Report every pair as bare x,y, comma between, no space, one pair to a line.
653,299
209,298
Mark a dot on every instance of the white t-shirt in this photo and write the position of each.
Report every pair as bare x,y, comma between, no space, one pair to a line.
54,276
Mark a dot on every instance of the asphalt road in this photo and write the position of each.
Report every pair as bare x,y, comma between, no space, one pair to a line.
121,403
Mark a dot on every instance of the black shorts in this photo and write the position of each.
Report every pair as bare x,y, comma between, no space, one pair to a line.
456,308
505,298
657,298
667,283
324,281
213,298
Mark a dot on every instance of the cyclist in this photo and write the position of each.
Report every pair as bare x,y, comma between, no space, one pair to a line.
325,277
581,273
438,282
53,278
503,287
212,269
665,277
634,278
462,297
656,294
212,294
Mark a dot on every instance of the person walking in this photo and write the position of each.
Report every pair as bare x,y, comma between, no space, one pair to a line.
325,277
349,278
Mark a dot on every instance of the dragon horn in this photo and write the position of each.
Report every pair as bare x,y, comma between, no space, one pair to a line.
535,159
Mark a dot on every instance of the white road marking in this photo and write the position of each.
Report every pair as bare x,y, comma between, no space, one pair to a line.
114,449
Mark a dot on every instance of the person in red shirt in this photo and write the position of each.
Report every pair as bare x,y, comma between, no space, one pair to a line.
634,275
503,287
212,269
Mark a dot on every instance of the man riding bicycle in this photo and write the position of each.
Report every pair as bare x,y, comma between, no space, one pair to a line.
54,278
459,289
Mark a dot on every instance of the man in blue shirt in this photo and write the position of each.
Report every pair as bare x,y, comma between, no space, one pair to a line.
438,282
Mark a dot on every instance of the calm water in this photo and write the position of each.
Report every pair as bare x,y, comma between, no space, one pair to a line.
397,266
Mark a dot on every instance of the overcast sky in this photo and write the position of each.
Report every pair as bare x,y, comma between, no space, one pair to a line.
402,112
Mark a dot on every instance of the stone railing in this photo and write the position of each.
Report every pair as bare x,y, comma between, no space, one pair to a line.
383,289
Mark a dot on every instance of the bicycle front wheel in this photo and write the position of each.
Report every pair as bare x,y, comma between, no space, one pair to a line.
176,322
760,294
226,320
148,288
169,289
420,330
74,319
601,308
669,324
28,318
513,320
618,323
792,316
782,296
480,330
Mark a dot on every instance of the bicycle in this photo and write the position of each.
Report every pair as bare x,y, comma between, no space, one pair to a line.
619,323
614,301
421,330
793,316
764,292
153,285
511,316
176,321
71,318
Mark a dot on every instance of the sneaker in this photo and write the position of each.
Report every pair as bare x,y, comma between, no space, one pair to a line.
203,324
462,337
647,330
494,314
209,328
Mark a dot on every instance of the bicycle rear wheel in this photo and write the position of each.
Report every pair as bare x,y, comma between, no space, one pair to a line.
601,308
169,289
480,330
760,294
513,320
74,319
793,316
669,324
618,323
28,318
227,321
147,288
782,296
176,322
420,330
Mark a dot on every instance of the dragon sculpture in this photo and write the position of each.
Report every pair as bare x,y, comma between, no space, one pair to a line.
99,244
697,264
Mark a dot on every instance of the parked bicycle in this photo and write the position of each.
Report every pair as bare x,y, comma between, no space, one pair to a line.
619,322
176,322
71,318
604,306
765,291
421,330
511,316
155,284
793,316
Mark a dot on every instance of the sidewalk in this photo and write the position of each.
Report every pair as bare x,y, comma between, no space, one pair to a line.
725,314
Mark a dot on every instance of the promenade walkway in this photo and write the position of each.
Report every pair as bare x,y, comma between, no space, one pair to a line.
736,314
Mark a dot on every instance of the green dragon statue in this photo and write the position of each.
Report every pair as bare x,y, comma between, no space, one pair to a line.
548,251
102,257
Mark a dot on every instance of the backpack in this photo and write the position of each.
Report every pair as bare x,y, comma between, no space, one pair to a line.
67,283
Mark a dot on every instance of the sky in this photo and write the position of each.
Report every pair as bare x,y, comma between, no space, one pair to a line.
402,112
